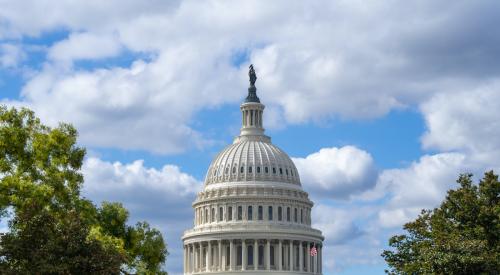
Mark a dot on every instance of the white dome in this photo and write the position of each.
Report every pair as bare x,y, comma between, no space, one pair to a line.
252,159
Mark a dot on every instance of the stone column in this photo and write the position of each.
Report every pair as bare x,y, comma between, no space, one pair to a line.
291,255
185,259
316,263
223,258
280,264
195,258
200,262
320,259
208,267
243,255
219,256
268,254
191,258
301,256
308,263
255,254
231,256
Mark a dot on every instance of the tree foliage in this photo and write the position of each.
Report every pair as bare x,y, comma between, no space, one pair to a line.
462,236
52,228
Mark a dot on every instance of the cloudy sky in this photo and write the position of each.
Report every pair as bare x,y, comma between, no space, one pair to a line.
381,104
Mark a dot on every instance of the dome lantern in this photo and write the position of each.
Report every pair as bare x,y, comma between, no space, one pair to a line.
252,110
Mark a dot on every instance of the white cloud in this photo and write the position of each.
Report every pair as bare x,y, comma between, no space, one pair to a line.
337,172
35,17
145,107
337,225
11,55
466,121
422,185
162,196
351,236
85,46
102,177
314,62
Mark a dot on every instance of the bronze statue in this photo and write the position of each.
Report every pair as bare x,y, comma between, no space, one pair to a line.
252,75
252,90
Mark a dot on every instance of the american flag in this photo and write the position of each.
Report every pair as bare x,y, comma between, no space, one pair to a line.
313,251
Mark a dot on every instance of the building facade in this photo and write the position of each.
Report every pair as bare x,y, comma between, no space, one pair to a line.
252,216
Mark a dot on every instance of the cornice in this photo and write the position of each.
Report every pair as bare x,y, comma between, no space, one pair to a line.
252,192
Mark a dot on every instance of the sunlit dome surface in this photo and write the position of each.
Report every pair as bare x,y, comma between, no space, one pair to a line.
252,159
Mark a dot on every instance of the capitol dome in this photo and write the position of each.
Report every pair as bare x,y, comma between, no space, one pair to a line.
251,160
252,216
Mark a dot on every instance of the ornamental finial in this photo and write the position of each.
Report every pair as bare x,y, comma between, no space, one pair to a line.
252,75
252,91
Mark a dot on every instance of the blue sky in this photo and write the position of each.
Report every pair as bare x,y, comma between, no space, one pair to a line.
381,105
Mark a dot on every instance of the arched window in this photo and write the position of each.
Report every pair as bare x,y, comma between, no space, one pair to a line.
260,213
295,219
227,170
258,169
281,171
220,214
213,214
291,172
240,213
280,214
266,169
250,213
230,213
286,172
274,170
250,169
270,213
288,214
241,170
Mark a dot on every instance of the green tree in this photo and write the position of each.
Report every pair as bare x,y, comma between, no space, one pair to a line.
52,229
462,236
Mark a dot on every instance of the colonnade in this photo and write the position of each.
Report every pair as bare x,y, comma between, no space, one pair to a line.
252,117
252,254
